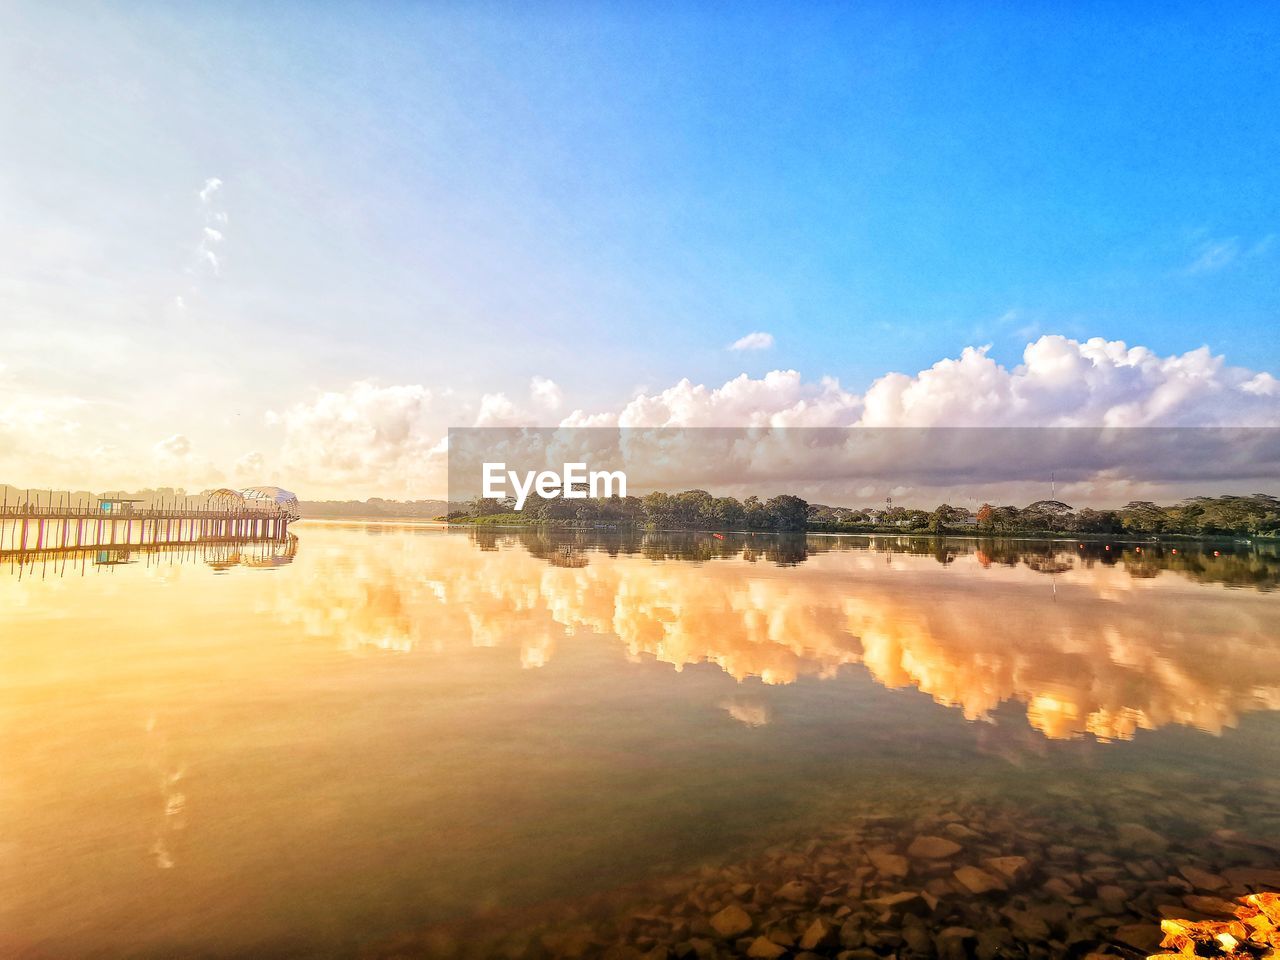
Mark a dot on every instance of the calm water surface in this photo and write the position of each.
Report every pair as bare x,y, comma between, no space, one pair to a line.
394,726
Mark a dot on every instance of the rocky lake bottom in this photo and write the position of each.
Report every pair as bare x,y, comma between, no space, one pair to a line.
1082,872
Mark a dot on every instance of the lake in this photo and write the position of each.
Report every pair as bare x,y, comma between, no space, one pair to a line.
398,740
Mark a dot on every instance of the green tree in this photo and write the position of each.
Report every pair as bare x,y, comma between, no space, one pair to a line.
944,517
787,512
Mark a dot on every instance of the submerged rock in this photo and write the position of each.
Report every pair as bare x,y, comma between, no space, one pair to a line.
953,943
732,922
897,902
889,864
1010,868
795,891
819,935
766,948
1203,879
917,939
1253,878
1210,906
978,881
1140,839
933,848
1140,936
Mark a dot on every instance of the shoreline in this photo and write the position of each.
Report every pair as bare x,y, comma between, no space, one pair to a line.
1027,535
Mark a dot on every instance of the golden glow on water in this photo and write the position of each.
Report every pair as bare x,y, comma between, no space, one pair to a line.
399,726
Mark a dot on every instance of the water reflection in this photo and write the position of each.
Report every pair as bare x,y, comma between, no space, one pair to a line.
407,725
220,554
1088,640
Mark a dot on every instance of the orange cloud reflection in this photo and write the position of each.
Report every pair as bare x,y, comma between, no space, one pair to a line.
1095,651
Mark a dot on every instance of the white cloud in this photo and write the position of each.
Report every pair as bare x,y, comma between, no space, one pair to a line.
370,437
1064,382
780,398
386,439
1262,385
546,394
250,467
176,447
211,186
1060,382
210,236
1215,254
759,340
176,463
498,411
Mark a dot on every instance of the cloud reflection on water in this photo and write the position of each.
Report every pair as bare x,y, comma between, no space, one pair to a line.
1088,648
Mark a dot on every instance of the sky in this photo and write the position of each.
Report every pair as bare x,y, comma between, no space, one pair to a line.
294,243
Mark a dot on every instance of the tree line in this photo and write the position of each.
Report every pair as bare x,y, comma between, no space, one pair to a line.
687,510
1231,515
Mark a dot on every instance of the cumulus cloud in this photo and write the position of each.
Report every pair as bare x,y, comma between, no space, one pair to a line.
546,394
1059,383
781,398
498,410
758,340
365,436
390,439
1068,383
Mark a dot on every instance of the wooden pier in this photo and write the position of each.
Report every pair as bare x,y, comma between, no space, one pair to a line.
110,523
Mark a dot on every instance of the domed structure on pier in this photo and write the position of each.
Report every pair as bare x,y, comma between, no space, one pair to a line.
276,498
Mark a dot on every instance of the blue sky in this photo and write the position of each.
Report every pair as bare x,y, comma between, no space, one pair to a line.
465,196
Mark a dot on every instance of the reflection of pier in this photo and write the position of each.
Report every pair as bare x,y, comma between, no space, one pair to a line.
219,553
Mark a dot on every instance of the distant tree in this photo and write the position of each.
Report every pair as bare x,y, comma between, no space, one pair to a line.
484,506
755,514
1143,516
943,517
727,512
1006,518
787,512
917,519
1089,520
1047,515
